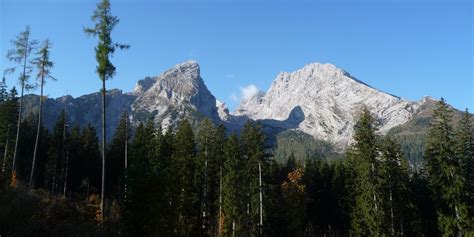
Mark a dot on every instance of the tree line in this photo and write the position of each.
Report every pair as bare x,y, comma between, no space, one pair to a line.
207,182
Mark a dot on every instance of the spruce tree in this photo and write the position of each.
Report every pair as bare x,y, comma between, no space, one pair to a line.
186,193
139,217
23,47
233,185
105,22
57,153
253,145
445,173
8,115
464,150
395,186
367,214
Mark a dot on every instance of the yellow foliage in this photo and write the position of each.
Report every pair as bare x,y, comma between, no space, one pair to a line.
294,181
14,180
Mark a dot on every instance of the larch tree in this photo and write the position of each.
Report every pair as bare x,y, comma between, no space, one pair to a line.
23,47
105,22
44,65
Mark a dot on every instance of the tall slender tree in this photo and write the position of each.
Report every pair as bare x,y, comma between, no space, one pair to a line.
233,203
105,22
367,214
44,65
395,188
253,145
23,47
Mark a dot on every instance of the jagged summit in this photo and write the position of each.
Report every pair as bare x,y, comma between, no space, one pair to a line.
177,93
330,100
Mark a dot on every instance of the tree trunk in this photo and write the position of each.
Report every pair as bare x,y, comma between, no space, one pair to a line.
220,201
19,111
31,185
261,196
392,228
65,175
102,196
4,165
17,138
126,157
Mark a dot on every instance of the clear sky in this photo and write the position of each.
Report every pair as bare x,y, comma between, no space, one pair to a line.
409,48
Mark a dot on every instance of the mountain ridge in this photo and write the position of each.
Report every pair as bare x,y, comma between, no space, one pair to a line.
321,100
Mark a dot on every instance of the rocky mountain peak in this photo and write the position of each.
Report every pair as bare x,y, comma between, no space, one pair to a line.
175,94
329,99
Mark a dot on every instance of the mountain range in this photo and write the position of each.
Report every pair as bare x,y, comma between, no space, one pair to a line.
319,102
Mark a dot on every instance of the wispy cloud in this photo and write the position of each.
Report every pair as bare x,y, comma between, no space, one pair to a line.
230,76
248,92
234,97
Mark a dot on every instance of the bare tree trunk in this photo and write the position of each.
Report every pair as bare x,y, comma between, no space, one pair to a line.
4,165
102,196
54,176
31,185
17,138
126,156
20,111
392,229
220,201
65,175
261,196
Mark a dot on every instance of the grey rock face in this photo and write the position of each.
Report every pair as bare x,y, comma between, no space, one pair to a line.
320,100
330,101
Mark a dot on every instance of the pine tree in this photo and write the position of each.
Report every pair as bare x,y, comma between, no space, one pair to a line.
44,66
445,174
367,214
23,46
105,22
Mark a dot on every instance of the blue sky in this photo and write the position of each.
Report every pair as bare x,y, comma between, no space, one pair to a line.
407,48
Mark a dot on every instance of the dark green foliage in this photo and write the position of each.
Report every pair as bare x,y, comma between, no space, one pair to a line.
395,189
302,146
234,205
185,167
8,118
254,154
181,184
445,173
367,213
